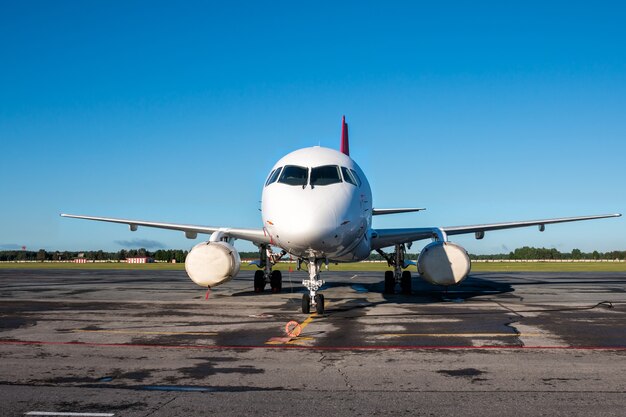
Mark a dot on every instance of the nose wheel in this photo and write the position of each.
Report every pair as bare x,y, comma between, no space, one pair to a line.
319,303
306,303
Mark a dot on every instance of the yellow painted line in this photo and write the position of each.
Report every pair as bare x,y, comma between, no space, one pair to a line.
461,334
145,332
307,321
299,340
278,340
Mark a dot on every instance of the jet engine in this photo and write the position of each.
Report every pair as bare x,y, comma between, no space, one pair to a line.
443,263
210,264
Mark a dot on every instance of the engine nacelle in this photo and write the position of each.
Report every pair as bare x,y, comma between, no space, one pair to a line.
210,264
443,263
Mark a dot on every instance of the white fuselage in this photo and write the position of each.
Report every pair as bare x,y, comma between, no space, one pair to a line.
319,205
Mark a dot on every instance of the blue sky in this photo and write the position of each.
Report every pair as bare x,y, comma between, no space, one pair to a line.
169,112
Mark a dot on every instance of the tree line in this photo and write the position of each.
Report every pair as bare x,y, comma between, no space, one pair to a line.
167,255
164,255
530,253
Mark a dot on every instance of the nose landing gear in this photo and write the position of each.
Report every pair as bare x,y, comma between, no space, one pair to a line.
312,300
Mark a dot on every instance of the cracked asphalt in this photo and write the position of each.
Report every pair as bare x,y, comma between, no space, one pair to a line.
144,343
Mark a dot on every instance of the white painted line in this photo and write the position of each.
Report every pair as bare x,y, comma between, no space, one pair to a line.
54,413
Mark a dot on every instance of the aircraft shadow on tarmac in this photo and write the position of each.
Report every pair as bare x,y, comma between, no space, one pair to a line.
422,292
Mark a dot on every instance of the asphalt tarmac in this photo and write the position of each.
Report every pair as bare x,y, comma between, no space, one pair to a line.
142,343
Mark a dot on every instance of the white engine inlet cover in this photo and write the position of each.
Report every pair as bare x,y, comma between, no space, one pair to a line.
210,264
443,263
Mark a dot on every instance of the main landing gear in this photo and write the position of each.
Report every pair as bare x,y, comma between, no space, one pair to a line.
397,276
312,300
262,277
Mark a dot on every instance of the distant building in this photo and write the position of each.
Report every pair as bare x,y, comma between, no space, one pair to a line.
80,260
140,260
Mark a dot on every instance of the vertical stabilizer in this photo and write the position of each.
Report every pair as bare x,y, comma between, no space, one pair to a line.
345,146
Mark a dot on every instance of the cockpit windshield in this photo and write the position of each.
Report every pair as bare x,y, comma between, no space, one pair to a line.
294,175
325,175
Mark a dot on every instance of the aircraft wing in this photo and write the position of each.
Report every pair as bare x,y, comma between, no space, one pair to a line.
378,212
388,237
257,236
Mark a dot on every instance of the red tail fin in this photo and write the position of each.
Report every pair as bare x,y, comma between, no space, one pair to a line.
345,146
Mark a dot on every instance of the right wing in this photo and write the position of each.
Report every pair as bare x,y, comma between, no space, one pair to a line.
256,236
378,212
382,238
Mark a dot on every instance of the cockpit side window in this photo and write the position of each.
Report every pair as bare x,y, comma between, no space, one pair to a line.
325,175
273,177
347,176
356,176
294,175
269,177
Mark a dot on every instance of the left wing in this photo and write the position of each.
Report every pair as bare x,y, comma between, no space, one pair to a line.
257,236
387,237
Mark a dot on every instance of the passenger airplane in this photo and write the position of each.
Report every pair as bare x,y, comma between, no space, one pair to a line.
317,207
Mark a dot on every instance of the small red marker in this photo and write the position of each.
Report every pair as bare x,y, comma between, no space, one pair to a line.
293,329
208,292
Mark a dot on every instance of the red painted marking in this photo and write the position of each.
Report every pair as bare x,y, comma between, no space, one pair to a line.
208,292
280,339
329,348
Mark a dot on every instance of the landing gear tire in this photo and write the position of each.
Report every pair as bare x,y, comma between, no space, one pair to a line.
276,281
319,303
306,303
405,283
259,281
390,282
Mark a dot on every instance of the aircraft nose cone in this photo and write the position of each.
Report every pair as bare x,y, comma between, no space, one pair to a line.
309,227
